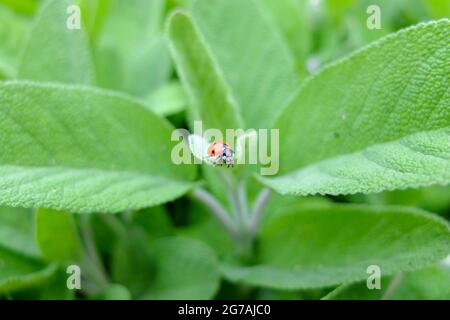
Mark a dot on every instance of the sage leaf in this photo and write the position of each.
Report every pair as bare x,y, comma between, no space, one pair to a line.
427,284
55,52
84,150
377,120
322,246
57,237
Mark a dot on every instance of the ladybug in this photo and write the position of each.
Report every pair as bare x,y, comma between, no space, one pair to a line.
221,153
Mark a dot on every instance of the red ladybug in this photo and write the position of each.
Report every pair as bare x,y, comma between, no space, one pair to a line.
221,153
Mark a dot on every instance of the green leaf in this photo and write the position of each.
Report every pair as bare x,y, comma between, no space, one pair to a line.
434,199
21,6
437,8
83,150
155,221
150,68
377,120
256,63
309,294
19,265
114,292
6,71
132,22
55,289
325,246
93,13
231,75
57,236
19,272
16,231
130,40
166,268
105,231
13,31
356,23
427,284
292,17
185,269
132,263
278,205
206,89
211,232
54,52
168,99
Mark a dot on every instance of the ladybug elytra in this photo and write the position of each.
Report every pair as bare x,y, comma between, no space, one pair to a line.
222,153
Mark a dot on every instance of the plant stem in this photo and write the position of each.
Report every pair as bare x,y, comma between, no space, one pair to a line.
91,279
242,203
257,211
114,223
392,286
234,207
93,261
239,209
217,209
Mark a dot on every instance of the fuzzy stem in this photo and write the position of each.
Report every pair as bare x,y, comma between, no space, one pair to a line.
392,286
234,207
94,263
216,208
242,203
114,223
257,211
